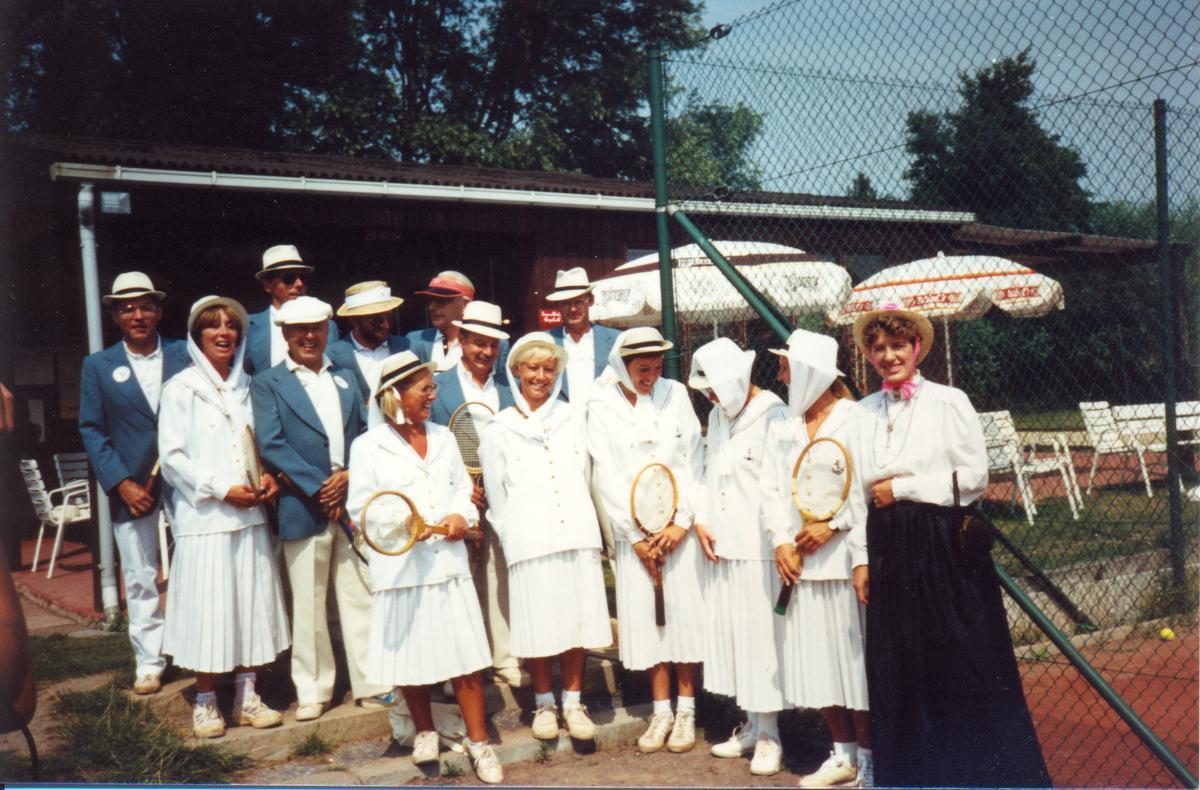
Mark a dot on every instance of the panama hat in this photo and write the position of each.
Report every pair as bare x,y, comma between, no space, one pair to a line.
280,258
205,302
398,367
369,298
483,318
570,284
449,284
644,340
132,285
303,310
924,327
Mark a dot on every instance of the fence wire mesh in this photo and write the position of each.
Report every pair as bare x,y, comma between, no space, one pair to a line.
994,166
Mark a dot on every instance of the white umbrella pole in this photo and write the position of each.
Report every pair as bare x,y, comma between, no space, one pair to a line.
949,371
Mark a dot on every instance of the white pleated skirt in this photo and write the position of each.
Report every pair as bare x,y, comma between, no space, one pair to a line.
556,603
225,605
742,658
642,644
426,634
822,646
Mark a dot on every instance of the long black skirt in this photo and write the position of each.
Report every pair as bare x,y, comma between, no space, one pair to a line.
947,707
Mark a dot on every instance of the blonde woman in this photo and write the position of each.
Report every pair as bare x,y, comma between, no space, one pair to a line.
537,472
426,625
639,419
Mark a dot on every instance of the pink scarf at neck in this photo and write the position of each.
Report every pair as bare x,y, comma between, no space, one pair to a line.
911,384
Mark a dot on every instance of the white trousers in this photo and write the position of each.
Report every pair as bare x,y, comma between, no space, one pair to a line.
312,564
137,546
491,583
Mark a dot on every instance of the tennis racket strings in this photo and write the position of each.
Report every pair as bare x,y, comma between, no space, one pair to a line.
653,501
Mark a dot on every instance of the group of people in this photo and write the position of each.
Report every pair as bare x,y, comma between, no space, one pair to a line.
896,633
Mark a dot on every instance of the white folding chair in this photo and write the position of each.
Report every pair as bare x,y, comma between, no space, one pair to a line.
1107,438
1007,454
74,507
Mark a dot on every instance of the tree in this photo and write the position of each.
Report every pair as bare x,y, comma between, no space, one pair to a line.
862,188
992,157
708,146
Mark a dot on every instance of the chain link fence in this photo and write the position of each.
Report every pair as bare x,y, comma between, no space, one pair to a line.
993,165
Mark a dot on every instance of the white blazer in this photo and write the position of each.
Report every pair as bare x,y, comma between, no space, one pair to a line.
200,447
537,473
731,499
619,451
847,548
438,485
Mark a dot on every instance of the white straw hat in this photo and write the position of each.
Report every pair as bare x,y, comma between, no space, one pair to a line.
132,285
569,284
303,310
398,367
644,340
482,318
369,298
280,258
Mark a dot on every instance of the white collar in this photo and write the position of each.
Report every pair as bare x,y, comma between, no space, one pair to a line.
359,347
295,366
465,377
155,354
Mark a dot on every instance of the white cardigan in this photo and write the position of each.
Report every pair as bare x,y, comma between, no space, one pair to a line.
619,452
733,471
200,447
437,484
536,472
847,548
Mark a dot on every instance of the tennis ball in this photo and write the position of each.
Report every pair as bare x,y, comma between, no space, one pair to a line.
1167,634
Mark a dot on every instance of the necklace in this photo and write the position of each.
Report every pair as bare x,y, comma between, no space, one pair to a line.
905,406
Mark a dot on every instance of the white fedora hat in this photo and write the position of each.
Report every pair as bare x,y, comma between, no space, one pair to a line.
815,351
303,310
280,258
233,305
132,285
398,367
644,340
569,284
369,298
482,318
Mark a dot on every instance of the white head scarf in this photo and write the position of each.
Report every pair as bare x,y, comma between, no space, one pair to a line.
541,423
645,407
812,361
725,369
237,380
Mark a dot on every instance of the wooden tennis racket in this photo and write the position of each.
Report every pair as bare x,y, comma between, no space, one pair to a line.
653,500
466,435
820,485
254,467
395,525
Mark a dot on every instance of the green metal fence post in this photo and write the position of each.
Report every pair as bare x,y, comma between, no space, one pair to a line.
658,140
1166,278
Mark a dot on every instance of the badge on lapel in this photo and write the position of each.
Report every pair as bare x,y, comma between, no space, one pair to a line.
122,374
341,382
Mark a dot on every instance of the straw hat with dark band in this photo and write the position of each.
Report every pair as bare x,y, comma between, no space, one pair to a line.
644,340
281,258
398,367
483,318
924,327
132,285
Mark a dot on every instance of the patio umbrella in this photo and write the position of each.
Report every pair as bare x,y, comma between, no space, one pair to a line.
954,288
796,281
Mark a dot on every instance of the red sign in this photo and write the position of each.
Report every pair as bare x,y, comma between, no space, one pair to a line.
548,318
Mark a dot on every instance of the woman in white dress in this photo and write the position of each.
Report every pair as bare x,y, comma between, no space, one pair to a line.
537,473
639,419
426,625
740,660
821,634
225,608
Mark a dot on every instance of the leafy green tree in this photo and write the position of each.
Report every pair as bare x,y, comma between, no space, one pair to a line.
708,146
862,188
991,155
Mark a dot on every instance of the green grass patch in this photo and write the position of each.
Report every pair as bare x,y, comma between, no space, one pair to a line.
1055,420
312,746
59,656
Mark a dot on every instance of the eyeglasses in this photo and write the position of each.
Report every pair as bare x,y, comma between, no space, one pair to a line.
289,278
427,390
131,309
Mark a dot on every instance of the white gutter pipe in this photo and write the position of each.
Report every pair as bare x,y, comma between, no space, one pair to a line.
95,336
484,195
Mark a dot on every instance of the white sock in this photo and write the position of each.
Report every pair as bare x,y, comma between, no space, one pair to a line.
768,724
864,757
243,687
751,723
685,703
473,747
847,751
206,697
543,699
662,706
570,699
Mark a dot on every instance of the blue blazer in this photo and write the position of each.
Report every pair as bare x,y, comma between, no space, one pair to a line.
450,395
421,343
117,425
292,440
258,341
603,340
342,355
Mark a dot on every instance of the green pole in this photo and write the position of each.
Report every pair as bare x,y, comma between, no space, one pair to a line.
658,141
771,314
1107,692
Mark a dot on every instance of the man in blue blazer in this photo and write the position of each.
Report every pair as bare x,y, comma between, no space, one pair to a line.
119,391
368,307
306,414
284,276
588,345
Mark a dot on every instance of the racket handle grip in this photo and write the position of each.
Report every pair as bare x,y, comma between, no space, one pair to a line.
474,533
660,608
785,597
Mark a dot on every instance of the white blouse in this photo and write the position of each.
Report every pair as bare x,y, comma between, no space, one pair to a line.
438,485
537,476
619,450
200,445
931,436
730,502
847,548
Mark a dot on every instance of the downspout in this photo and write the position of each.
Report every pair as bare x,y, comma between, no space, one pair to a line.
95,337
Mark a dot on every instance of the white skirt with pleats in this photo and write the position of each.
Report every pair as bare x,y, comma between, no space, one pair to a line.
822,646
556,603
426,634
642,644
225,605
741,659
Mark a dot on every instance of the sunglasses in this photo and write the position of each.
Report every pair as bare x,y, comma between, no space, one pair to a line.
289,278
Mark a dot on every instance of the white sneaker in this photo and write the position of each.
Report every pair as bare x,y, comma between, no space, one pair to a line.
768,756
740,742
486,763
207,721
834,772
579,724
866,775
655,736
545,723
425,747
308,711
683,734
256,713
